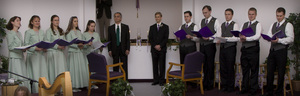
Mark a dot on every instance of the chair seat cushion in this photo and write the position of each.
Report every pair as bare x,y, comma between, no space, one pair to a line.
102,76
186,75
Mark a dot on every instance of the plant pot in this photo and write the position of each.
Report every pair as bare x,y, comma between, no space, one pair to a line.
9,90
296,85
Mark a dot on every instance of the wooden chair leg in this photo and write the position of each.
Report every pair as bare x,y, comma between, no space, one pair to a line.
167,80
291,87
107,87
201,87
89,88
219,83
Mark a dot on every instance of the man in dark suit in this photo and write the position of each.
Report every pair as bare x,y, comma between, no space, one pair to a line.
103,16
119,46
158,38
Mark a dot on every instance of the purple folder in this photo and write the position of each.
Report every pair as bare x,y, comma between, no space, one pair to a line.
46,45
197,33
84,42
235,33
248,32
62,42
278,34
205,32
180,34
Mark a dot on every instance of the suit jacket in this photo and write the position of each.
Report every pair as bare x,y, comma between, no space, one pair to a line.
159,37
103,4
125,39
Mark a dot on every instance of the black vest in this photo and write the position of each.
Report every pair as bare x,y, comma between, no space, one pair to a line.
187,42
277,46
226,33
211,26
247,44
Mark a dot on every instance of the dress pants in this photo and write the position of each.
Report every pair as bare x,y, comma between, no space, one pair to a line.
209,52
227,62
250,67
276,61
120,57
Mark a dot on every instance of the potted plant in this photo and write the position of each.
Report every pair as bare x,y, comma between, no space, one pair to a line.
294,18
174,88
2,29
121,87
3,63
9,86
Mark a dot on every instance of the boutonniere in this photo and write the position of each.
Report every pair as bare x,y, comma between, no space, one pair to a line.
161,25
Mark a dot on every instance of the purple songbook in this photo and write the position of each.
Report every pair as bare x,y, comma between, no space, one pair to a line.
84,42
62,42
180,34
46,45
278,34
235,33
197,33
248,32
205,32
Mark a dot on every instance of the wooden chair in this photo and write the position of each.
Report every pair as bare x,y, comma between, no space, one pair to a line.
98,66
191,69
263,70
63,81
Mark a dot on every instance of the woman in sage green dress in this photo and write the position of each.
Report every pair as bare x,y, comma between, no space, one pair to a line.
35,59
16,57
76,62
56,59
88,34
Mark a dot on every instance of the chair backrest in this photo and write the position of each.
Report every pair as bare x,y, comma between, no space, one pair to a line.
97,62
193,62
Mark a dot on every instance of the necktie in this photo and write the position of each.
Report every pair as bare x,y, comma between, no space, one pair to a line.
227,24
277,25
186,25
157,27
249,24
206,22
118,35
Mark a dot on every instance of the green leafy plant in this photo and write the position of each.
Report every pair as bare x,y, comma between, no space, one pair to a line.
10,82
4,62
294,19
171,42
174,88
121,87
2,29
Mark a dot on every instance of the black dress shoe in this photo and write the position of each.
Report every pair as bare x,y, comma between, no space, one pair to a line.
155,83
242,92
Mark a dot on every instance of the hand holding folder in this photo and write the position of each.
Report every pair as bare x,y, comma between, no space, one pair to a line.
62,42
248,32
84,42
205,32
278,34
180,34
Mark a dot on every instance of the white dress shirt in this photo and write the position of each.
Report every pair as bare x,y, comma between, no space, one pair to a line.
258,31
217,27
289,32
233,38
